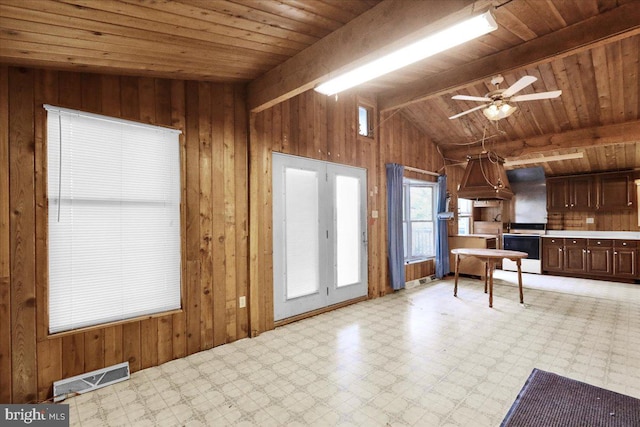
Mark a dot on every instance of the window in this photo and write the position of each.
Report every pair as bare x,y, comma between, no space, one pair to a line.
114,219
418,220
365,121
464,216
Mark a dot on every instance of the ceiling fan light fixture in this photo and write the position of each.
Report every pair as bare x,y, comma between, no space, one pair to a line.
498,106
497,112
430,45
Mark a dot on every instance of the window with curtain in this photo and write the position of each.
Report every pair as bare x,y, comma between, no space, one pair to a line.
418,220
114,219
464,216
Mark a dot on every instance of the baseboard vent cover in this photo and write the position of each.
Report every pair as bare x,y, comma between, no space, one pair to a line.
419,282
90,381
427,279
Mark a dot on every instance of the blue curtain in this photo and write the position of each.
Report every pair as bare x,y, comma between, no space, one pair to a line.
442,240
395,246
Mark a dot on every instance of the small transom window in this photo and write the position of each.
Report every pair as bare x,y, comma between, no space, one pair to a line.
365,121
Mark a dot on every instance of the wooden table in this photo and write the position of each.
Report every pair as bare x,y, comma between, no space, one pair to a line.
489,256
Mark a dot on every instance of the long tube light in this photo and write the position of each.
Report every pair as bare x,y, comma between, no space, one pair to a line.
428,46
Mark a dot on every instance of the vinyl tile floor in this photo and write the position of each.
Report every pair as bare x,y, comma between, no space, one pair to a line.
418,357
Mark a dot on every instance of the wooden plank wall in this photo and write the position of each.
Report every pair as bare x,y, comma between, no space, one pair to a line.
213,118
318,127
323,128
602,221
454,177
5,245
223,258
405,144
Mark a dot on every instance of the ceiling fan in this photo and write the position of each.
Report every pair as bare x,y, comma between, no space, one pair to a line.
497,101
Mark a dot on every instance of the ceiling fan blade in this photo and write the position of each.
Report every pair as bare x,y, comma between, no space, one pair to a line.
534,96
467,112
518,86
471,98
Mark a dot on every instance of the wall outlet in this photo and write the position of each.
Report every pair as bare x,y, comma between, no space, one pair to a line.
243,302
590,221
374,214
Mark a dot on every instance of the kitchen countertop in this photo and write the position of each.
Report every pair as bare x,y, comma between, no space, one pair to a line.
479,236
632,235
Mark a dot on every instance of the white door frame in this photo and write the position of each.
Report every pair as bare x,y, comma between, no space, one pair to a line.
327,291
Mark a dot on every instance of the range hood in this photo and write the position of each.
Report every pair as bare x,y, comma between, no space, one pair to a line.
485,179
530,195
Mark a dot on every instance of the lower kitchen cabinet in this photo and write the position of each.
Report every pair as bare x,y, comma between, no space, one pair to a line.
610,259
625,263
575,255
600,256
552,254
471,265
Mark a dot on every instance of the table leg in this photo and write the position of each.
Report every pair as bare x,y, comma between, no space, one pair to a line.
490,286
486,275
518,263
455,286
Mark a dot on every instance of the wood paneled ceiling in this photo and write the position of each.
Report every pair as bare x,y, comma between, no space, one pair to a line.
587,48
597,113
216,40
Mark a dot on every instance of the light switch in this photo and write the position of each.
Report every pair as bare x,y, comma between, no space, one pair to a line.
374,214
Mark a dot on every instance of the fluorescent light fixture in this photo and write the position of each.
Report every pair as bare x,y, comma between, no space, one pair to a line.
428,46
499,111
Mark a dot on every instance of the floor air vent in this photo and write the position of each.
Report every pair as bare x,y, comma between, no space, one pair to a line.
419,282
425,280
90,381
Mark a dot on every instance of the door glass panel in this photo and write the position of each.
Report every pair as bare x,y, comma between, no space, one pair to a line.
301,233
348,232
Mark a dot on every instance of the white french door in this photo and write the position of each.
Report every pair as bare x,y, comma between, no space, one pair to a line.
319,234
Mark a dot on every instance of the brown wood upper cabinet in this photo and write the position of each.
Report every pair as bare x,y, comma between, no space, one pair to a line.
577,193
603,192
616,191
557,194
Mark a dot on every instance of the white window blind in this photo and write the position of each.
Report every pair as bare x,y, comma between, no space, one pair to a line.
114,219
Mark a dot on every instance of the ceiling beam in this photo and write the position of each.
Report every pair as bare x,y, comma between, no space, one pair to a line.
619,23
619,133
380,30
